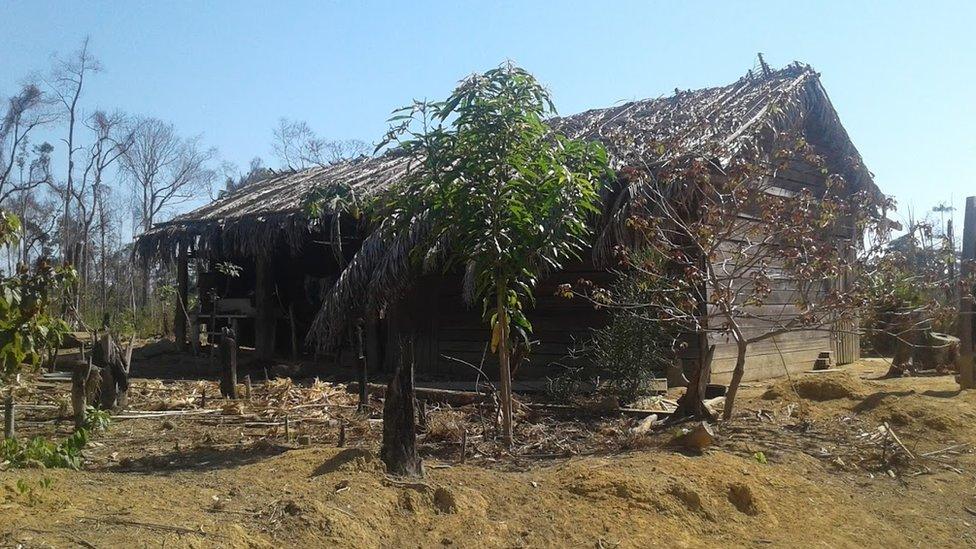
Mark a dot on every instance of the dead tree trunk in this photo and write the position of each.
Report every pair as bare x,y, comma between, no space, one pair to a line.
228,364
692,403
399,449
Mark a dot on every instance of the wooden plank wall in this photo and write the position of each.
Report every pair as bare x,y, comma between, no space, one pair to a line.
790,352
451,328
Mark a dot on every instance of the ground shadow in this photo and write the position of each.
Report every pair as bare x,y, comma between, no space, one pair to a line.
942,394
872,401
350,457
198,459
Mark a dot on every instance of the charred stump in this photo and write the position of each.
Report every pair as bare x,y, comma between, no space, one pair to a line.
113,367
399,449
228,364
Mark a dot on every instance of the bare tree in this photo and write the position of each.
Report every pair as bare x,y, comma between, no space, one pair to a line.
112,138
24,113
298,147
164,170
67,82
234,179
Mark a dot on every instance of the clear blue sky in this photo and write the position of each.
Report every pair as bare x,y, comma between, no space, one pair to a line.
901,74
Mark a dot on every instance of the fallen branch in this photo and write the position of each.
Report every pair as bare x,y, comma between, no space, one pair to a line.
944,450
153,525
898,440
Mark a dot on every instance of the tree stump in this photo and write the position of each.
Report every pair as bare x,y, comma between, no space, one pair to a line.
113,370
86,387
228,364
691,404
399,449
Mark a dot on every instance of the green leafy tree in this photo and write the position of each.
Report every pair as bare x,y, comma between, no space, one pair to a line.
29,324
493,189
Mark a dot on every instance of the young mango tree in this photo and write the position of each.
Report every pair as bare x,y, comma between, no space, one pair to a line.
491,189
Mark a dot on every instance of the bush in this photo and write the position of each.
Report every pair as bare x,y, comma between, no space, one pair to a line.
635,345
629,351
64,455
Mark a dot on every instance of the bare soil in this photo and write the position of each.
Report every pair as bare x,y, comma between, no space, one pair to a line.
836,459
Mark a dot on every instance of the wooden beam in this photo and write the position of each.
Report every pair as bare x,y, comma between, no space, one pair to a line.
965,321
182,287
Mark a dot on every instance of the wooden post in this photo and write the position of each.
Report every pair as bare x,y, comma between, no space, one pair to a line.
182,287
228,363
8,417
264,323
363,374
294,331
965,321
247,387
79,391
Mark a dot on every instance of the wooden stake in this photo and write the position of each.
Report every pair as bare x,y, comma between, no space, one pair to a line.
228,364
8,417
464,445
967,380
294,331
247,386
363,381
287,431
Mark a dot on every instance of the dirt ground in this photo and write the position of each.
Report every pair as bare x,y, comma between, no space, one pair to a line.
836,459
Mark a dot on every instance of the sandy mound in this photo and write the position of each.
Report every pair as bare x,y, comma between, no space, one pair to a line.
819,387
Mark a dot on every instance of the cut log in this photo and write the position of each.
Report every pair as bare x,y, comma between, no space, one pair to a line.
696,439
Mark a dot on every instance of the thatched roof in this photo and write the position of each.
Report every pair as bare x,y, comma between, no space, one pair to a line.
740,116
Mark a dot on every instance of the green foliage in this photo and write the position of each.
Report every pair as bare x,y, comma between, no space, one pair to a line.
636,344
760,457
29,325
910,288
500,192
228,269
97,421
32,491
65,454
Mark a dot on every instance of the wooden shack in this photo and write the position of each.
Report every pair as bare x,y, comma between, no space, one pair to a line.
302,279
